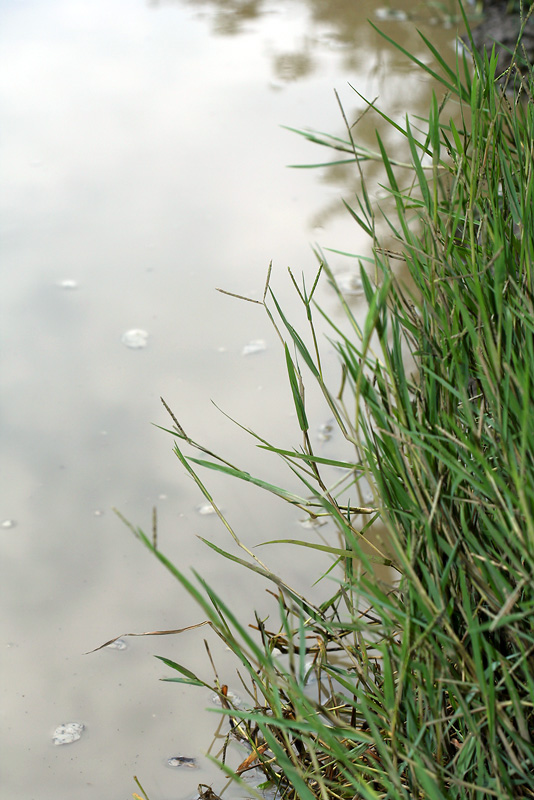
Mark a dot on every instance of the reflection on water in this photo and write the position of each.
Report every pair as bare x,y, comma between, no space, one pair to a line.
143,166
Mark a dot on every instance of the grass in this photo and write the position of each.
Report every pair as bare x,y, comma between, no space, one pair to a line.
422,687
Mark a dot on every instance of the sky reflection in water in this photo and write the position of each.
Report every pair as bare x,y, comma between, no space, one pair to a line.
144,165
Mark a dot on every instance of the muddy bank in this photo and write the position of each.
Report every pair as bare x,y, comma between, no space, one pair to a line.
500,26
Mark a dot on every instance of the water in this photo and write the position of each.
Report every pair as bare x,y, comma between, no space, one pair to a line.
143,166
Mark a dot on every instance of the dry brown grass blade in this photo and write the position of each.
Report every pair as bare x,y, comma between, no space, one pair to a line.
206,793
250,761
150,633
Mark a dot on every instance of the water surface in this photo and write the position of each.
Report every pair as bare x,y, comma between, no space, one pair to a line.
143,166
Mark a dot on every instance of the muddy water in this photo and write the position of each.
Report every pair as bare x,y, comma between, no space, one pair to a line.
143,166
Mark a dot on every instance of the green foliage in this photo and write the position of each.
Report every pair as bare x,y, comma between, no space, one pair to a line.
425,686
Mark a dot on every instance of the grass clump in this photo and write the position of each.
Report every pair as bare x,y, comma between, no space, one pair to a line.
424,687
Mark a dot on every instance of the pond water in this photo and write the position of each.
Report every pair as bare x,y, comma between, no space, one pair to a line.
144,165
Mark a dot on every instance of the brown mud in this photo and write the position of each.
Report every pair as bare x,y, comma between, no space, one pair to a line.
500,26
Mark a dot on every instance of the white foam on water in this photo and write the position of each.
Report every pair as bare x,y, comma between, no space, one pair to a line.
254,346
68,732
136,338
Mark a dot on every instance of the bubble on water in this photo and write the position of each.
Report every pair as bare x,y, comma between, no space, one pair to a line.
98,512
331,40
135,338
312,522
68,283
254,346
68,732
391,14
182,761
324,432
8,523
162,496
349,283
118,644
233,698
205,510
